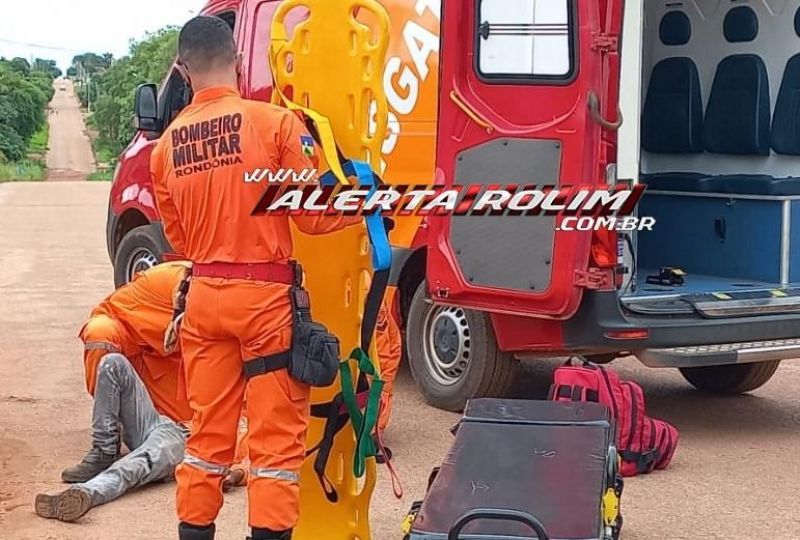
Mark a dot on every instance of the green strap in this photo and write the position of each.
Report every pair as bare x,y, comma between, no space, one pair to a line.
363,423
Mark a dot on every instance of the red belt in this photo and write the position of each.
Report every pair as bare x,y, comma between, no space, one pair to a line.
271,271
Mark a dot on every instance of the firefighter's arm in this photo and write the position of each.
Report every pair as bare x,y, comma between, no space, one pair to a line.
166,207
293,157
171,336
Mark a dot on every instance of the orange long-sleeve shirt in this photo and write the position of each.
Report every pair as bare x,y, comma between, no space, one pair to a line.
145,305
198,169
143,309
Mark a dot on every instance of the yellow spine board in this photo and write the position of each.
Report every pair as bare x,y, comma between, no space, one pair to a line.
338,290
333,63
332,66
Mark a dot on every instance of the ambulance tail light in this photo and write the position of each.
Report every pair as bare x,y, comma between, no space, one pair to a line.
606,253
604,249
633,334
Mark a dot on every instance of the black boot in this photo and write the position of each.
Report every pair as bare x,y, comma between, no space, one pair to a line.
269,534
92,464
195,532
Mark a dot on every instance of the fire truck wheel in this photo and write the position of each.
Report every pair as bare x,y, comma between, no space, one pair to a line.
731,379
453,354
140,249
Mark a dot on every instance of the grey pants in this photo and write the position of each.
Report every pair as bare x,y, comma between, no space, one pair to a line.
156,443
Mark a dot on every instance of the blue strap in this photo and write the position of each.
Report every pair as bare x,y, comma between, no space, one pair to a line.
378,237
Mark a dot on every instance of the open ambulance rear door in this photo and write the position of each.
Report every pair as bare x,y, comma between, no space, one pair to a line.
529,93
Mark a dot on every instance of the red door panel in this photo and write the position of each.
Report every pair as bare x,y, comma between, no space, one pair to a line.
515,81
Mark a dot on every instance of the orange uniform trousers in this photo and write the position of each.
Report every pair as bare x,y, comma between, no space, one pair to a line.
389,345
227,322
103,334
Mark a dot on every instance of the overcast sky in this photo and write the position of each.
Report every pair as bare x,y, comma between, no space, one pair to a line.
60,29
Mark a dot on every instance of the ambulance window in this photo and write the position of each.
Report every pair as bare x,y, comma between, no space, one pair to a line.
229,17
176,95
525,39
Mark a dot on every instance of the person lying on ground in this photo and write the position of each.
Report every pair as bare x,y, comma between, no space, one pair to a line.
138,397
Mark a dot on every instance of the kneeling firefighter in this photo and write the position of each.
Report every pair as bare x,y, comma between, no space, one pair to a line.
246,334
134,376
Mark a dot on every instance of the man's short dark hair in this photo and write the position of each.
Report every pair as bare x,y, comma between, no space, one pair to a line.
206,43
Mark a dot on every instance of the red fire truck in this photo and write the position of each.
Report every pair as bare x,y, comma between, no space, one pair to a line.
522,92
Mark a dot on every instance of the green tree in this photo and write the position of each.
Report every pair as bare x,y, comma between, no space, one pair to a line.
12,147
88,64
21,66
113,90
23,98
46,66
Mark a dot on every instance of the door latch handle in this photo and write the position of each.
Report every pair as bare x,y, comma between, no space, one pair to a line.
456,98
593,103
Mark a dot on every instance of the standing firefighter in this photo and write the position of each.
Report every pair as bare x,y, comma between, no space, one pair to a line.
238,307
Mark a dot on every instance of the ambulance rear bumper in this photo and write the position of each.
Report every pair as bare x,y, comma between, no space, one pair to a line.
603,326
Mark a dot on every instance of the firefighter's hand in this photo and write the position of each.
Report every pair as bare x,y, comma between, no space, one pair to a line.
171,335
235,478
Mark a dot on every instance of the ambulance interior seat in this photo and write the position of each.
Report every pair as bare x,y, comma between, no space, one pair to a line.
749,131
737,116
786,118
738,111
672,117
672,121
737,121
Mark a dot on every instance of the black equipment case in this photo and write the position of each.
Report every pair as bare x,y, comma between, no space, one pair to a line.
523,470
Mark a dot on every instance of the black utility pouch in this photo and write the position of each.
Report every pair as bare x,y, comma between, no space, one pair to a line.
315,351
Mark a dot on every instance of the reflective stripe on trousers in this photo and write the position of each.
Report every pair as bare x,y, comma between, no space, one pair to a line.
205,466
101,346
275,474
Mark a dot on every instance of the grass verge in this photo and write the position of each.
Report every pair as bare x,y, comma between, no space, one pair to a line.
102,175
104,157
38,144
22,171
103,154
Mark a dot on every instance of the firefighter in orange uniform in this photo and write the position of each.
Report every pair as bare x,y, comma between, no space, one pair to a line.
238,306
389,343
132,321
135,384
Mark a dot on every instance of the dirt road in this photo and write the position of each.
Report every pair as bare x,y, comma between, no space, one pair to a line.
70,154
736,474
